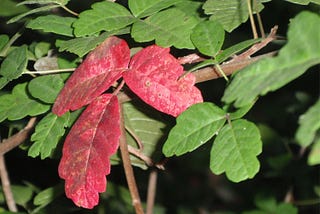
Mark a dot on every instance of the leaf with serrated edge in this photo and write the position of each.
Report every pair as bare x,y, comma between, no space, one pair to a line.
300,53
53,24
47,135
164,31
103,66
309,125
235,149
194,127
154,76
143,8
104,16
87,150
208,37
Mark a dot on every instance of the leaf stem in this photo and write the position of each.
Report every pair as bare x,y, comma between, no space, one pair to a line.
69,11
50,71
152,189
128,168
253,25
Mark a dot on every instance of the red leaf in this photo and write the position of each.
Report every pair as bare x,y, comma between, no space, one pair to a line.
103,66
87,149
154,76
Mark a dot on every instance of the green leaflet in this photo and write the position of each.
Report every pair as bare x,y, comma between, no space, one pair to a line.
147,125
46,196
314,155
208,37
3,41
19,104
194,127
46,88
164,31
53,24
47,134
300,53
9,8
304,2
143,8
309,125
21,194
104,16
235,149
229,13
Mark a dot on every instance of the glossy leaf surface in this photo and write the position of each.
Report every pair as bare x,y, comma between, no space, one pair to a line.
154,76
87,150
97,73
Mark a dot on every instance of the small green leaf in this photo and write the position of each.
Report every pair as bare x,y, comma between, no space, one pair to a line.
46,88
164,31
47,135
21,194
3,41
314,155
41,49
19,104
53,24
143,8
309,125
208,37
235,149
300,53
48,195
10,8
104,16
194,127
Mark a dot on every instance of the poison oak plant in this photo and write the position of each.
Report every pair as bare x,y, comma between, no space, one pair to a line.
107,79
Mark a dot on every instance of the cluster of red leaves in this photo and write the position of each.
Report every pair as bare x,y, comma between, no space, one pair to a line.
153,74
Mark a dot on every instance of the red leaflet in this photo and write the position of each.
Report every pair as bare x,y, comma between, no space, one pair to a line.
154,76
102,67
87,149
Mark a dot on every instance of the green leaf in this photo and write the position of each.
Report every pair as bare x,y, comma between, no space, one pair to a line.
194,127
208,37
47,134
53,24
10,8
191,8
314,155
240,112
304,2
164,31
21,194
46,88
147,125
48,195
309,125
60,2
104,16
19,104
36,10
300,53
15,63
143,8
41,49
229,13
235,149
3,41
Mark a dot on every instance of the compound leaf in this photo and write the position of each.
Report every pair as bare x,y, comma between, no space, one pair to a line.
154,75
164,31
194,127
235,149
103,66
105,16
300,53
47,135
87,149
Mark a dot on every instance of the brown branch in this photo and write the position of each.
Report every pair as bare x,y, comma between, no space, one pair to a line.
128,169
18,138
152,189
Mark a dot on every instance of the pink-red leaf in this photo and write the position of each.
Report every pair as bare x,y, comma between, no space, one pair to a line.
102,67
154,76
87,149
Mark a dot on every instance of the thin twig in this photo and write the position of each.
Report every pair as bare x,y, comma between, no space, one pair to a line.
144,157
263,34
69,11
152,189
253,25
136,138
5,181
128,169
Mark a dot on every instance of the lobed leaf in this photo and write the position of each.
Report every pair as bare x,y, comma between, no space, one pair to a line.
164,31
143,8
300,53
103,66
194,127
208,37
154,76
53,24
309,125
104,16
235,149
47,134
46,88
87,150
19,104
